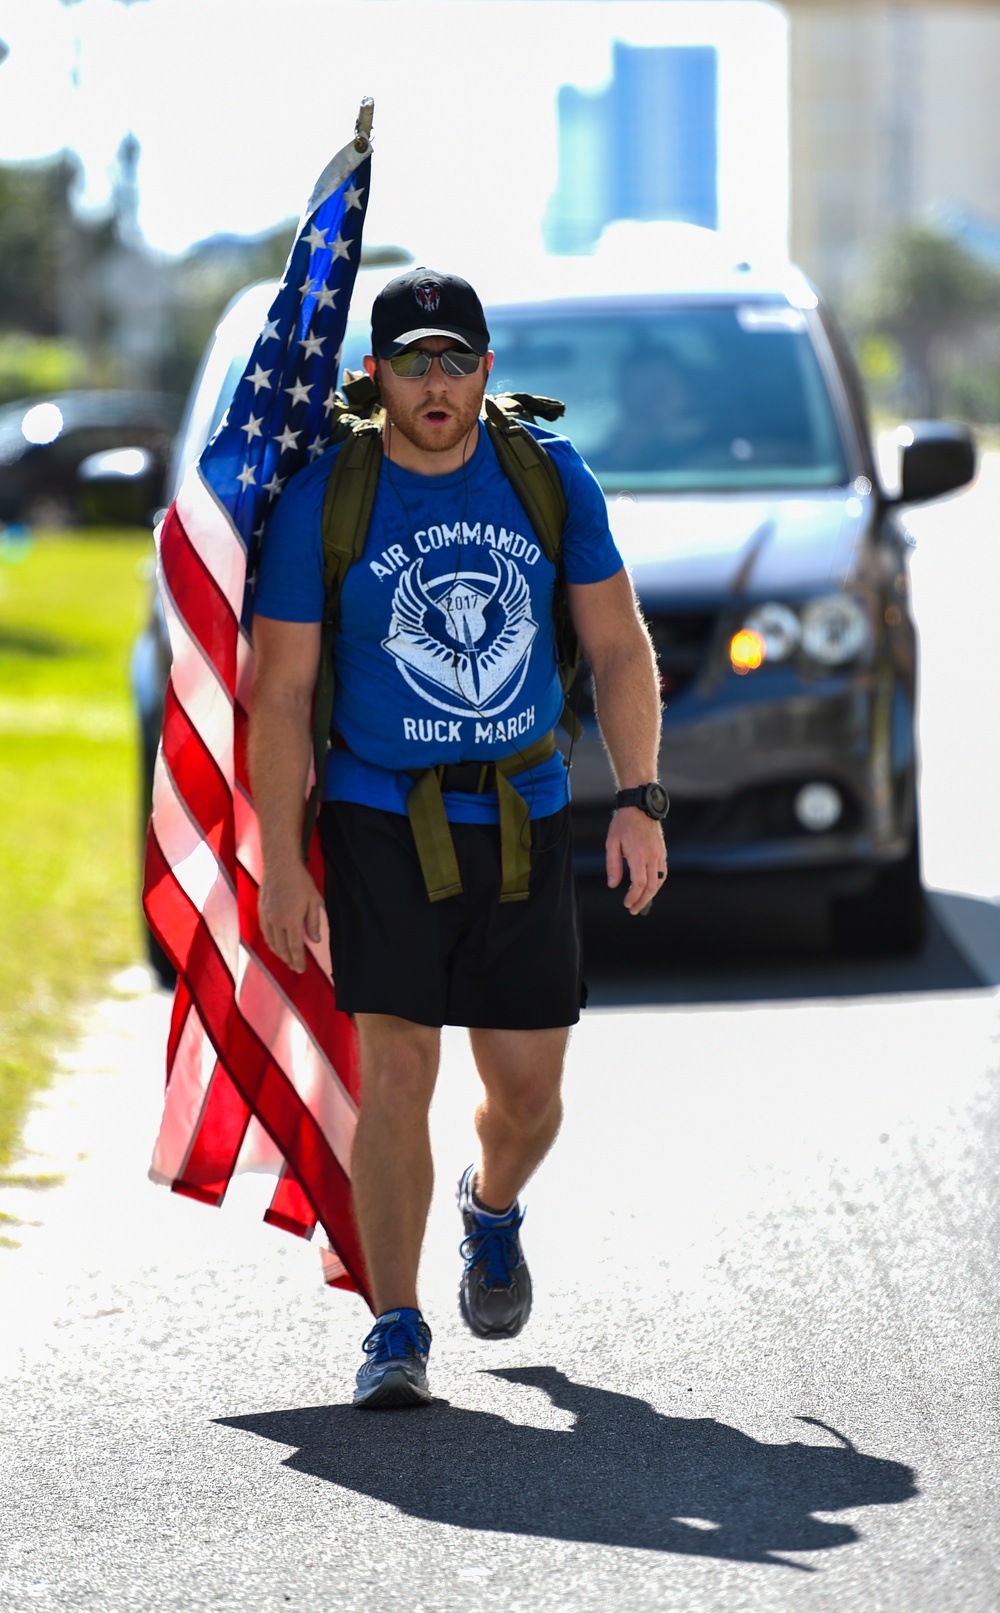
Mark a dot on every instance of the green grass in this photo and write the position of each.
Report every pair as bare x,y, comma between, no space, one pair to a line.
69,853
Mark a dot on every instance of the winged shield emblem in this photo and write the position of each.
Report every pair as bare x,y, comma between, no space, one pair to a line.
463,641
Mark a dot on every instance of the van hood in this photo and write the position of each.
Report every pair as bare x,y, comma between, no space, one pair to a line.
740,545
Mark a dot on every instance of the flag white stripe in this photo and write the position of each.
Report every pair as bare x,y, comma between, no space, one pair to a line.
244,670
247,828
333,1266
212,536
196,868
305,1066
190,1075
259,1154
206,701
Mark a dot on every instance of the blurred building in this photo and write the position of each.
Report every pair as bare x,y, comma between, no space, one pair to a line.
894,116
671,94
131,285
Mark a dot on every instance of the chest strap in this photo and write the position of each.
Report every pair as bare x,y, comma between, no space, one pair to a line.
432,832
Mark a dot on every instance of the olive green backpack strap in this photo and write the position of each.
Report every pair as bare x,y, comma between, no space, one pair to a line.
432,831
350,492
538,485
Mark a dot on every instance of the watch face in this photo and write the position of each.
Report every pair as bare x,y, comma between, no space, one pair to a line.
656,799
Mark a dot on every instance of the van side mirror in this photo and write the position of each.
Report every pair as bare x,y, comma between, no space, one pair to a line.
935,457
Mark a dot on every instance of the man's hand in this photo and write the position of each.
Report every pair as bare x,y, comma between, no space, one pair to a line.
289,906
638,840
627,700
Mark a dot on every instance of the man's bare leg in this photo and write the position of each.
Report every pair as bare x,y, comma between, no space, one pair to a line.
392,1174
519,1117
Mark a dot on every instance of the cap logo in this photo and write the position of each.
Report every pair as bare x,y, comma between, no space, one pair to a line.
428,296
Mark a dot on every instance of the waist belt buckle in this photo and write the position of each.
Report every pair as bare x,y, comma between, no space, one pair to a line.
473,778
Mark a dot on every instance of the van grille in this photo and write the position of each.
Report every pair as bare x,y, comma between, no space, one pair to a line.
681,642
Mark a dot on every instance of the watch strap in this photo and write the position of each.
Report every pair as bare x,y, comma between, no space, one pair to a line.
635,797
638,796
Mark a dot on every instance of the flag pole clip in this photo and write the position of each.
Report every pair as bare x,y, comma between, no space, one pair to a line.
363,127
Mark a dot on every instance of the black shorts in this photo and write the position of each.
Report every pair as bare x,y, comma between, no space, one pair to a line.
468,960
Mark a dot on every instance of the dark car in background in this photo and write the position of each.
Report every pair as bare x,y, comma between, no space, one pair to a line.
89,455
723,416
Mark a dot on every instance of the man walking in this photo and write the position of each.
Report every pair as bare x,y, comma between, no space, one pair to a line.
446,676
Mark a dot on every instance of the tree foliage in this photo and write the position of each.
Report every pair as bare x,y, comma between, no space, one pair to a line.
38,364
45,253
31,205
62,315
930,296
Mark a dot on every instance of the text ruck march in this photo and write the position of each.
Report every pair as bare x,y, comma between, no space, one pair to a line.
262,1069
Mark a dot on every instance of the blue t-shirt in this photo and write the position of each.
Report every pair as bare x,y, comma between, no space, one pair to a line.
445,651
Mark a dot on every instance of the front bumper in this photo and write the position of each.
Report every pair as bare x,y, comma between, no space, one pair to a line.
734,766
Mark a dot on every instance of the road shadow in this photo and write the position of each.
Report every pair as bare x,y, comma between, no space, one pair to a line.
696,949
624,1475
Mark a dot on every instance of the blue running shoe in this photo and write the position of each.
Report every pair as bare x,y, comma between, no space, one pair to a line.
395,1372
495,1291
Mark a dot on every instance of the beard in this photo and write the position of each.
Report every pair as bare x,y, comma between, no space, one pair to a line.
410,422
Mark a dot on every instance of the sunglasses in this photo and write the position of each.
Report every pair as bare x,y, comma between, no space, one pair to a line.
416,361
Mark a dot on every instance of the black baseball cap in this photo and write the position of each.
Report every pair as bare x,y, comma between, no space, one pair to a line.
425,303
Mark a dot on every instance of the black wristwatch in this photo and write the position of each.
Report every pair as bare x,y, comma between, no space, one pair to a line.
649,798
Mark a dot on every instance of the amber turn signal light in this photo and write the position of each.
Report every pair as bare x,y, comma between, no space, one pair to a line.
746,651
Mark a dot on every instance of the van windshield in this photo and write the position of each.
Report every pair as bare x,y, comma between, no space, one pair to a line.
687,398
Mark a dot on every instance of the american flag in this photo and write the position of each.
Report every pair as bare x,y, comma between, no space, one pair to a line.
262,1069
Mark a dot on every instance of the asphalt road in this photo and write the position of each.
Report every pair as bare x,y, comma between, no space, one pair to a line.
762,1372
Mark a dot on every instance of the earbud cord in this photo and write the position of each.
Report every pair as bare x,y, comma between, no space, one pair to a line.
459,549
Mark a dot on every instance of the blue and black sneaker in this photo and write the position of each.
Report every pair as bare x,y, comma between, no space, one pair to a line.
395,1371
495,1291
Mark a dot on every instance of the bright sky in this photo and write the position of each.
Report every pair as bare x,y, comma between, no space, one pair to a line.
238,105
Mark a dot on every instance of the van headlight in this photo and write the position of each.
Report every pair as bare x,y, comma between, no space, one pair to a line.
778,626
834,629
831,631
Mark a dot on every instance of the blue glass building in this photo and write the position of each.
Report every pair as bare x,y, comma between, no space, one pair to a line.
644,147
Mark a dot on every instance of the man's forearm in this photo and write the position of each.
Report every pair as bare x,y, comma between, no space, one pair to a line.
278,757
627,700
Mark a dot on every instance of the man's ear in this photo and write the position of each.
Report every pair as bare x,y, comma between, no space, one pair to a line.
370,367
489,361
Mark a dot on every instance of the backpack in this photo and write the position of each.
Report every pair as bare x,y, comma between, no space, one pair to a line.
347,508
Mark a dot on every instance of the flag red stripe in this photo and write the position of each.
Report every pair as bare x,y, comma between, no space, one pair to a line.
170,914
205,611
203,1195
192,1061
290,1209
198,780
212,1158
241,770
342,1282
211,533
178,1014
